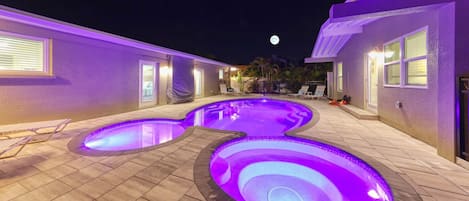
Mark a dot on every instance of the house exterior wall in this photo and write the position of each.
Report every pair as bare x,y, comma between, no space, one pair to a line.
210,79
92,78
447,82
418,116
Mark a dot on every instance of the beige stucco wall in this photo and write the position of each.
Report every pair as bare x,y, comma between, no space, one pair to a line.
210,79
92,78
419,115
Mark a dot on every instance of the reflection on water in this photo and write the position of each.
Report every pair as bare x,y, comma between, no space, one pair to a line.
134,135
257,117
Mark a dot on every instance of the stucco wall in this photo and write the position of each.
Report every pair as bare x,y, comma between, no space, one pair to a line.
418,116
92,78
210,79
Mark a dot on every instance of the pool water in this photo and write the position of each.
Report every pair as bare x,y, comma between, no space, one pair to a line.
255,117
134,135
292,169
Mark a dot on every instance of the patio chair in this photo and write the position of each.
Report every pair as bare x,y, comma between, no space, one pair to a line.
301,92
8,145
39,128
224,90
318,93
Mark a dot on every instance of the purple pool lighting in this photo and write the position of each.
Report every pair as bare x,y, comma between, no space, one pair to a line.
291,169
134,135
255,117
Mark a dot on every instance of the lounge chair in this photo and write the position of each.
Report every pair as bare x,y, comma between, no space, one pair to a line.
224,90
318,93
8,145
301,92
38,128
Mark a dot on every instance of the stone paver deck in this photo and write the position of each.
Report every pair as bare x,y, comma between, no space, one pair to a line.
49,171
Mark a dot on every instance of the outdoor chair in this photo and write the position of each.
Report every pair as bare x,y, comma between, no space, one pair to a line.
318,93
301,92
40,128
13,145
224,90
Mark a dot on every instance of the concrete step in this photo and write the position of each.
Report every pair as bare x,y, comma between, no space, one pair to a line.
359,113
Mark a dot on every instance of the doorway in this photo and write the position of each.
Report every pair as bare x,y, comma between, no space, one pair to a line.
147,84
198,83
372,84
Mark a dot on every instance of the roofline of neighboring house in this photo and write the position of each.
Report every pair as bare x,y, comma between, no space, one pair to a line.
23,17
319,60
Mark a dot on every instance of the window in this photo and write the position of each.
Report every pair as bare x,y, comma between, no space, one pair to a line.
220,74
392,60
407,56
23,55
340,85
416,59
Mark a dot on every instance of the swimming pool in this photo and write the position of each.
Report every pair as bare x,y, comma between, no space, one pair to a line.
293,169
255,117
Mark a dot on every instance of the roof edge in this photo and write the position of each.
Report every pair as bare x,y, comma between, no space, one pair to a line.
363,7
318,60
23,17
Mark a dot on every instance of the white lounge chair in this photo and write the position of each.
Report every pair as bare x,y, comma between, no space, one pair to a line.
38,128
13,145
224,90
301,92
318,93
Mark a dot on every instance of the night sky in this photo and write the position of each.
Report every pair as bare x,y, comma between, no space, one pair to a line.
234,32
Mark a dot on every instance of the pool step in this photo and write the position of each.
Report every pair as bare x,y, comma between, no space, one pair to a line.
359,113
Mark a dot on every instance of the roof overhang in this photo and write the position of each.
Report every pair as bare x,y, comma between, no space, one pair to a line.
349,18
15,15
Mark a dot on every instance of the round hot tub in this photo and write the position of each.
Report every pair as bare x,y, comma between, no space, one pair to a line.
293,169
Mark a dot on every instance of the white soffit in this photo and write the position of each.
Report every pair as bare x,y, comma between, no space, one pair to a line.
335,34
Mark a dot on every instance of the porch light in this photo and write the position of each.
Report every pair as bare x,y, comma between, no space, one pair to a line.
373,54
389,54
164,71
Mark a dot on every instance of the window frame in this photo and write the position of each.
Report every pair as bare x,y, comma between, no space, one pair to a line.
399,61
47,58
403,61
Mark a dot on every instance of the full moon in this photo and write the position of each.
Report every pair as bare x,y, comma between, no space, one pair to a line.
274,40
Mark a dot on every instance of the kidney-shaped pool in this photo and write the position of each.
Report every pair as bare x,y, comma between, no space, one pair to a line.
255,117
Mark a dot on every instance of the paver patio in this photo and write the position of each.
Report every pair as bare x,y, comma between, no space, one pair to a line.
50,171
